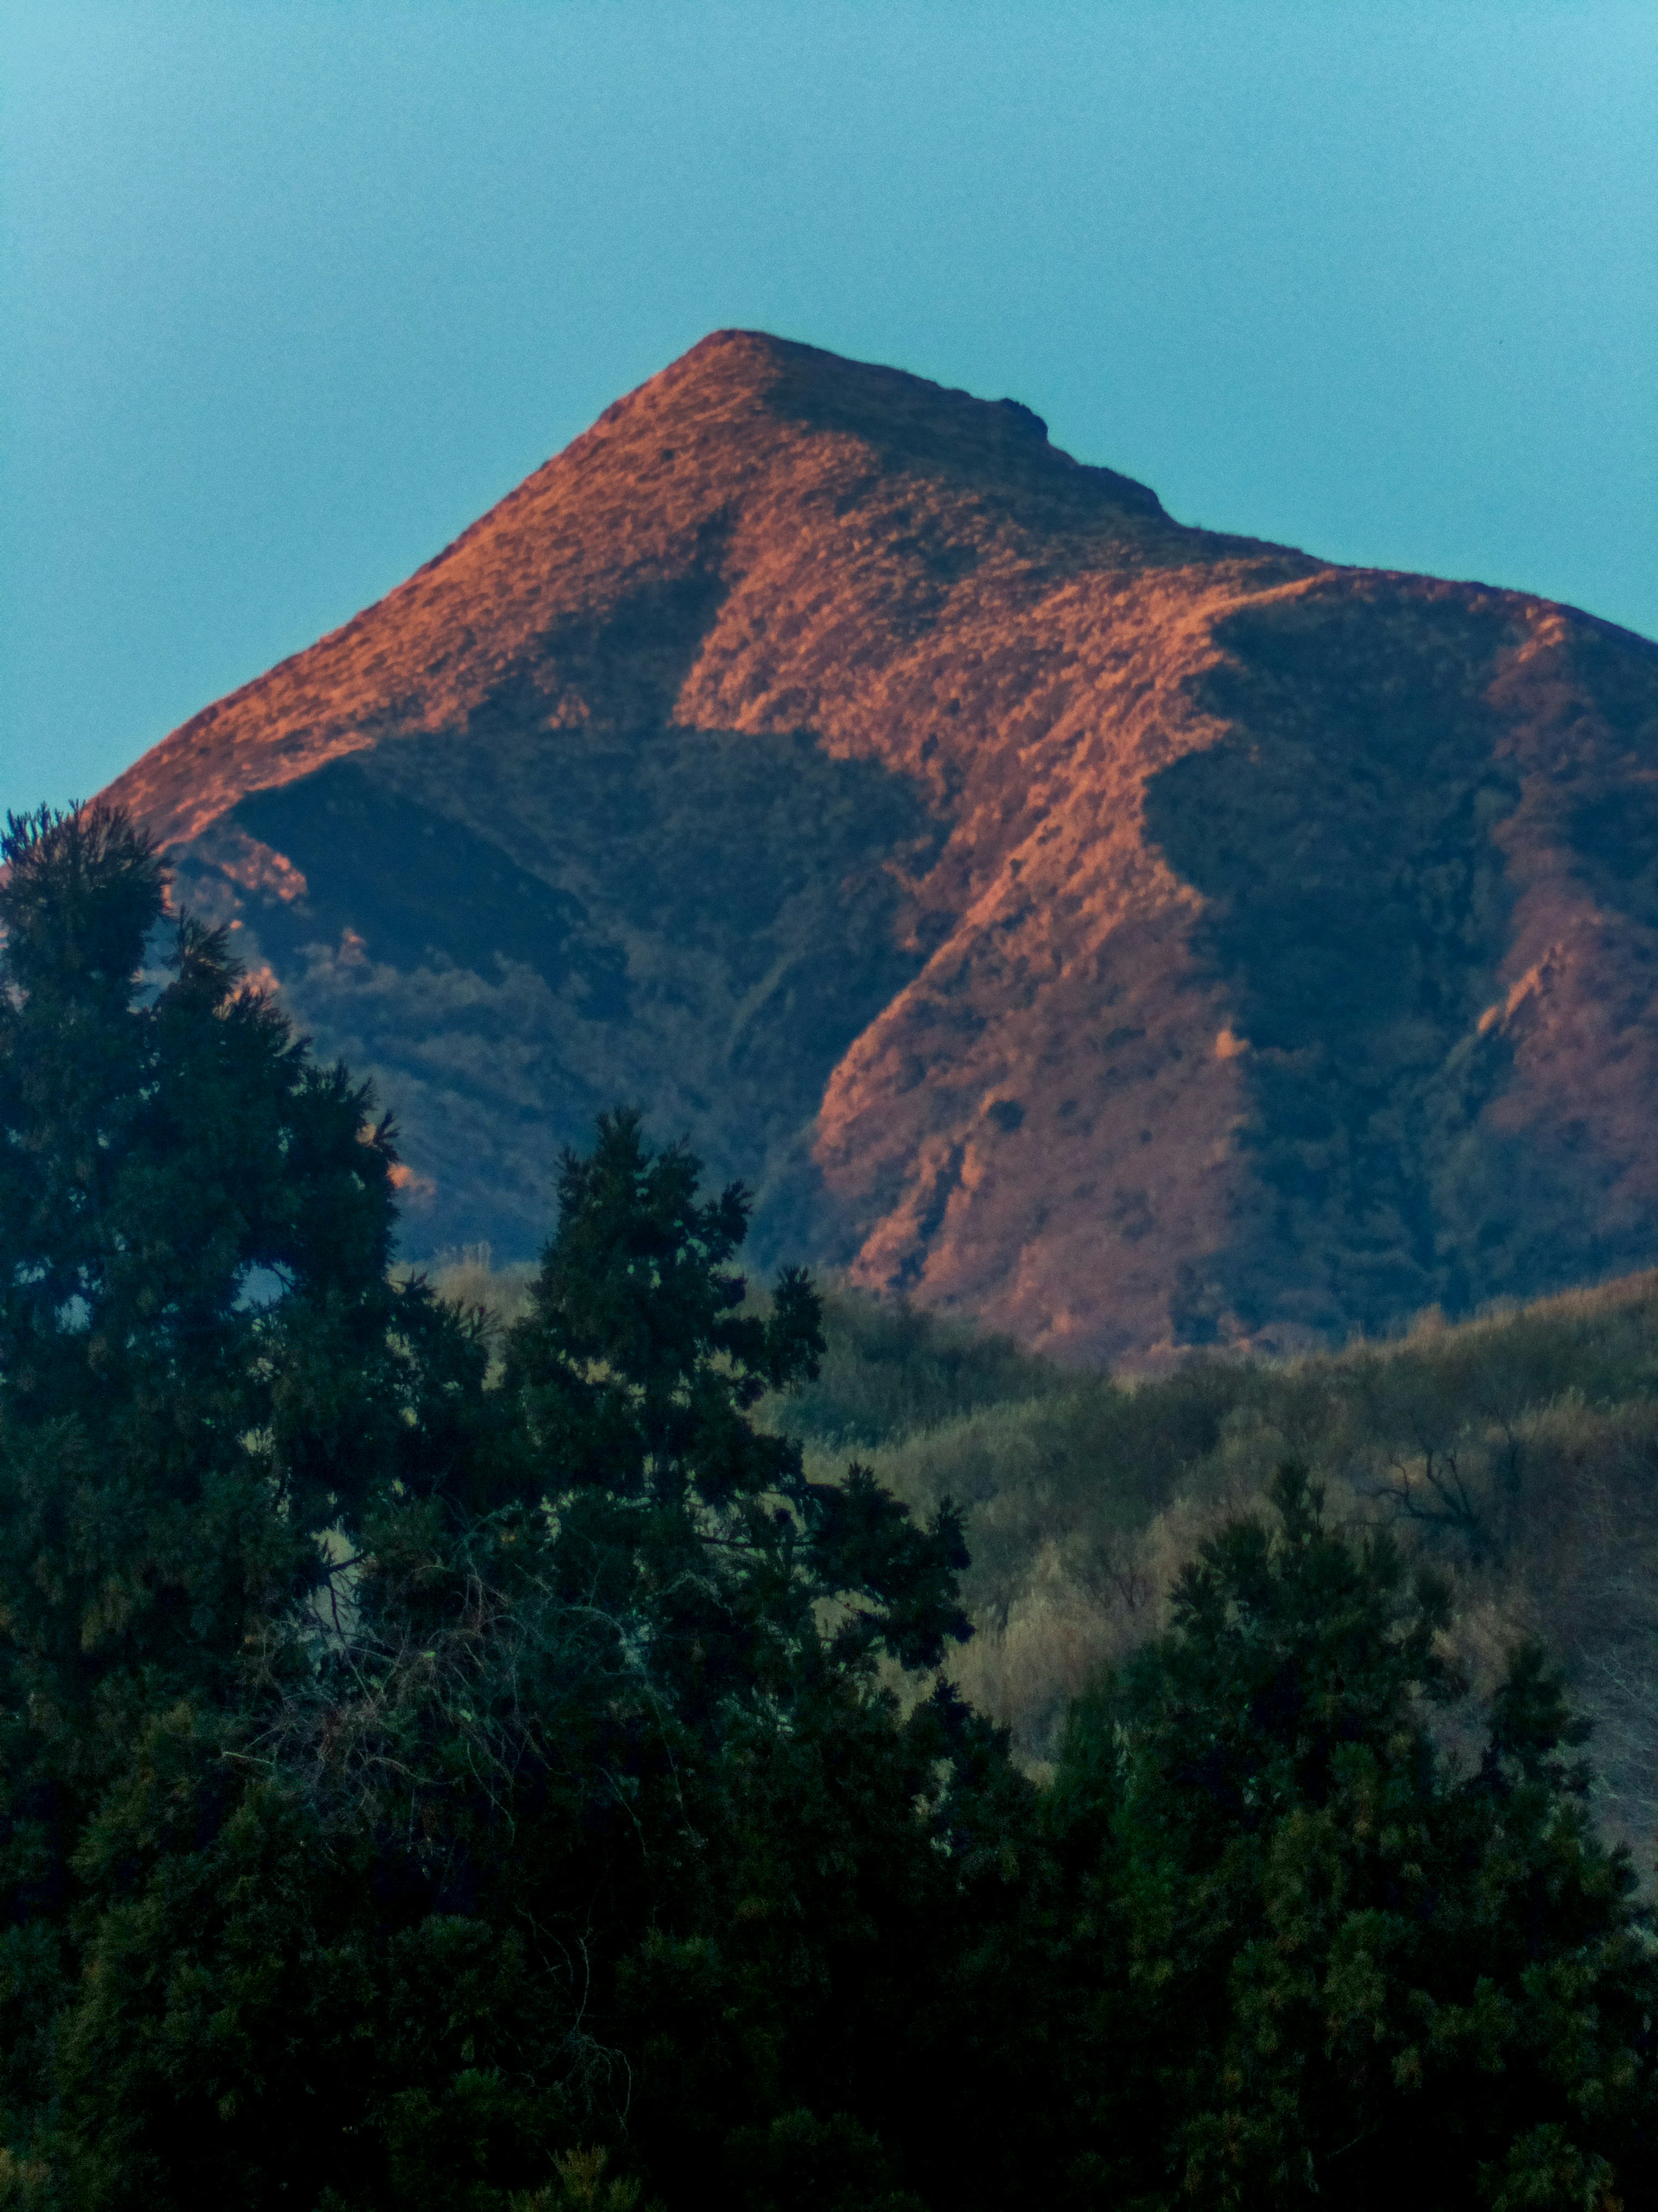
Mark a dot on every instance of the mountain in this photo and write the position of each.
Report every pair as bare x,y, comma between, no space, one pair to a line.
1132,936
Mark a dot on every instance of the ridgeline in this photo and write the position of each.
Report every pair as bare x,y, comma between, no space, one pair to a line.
1134,938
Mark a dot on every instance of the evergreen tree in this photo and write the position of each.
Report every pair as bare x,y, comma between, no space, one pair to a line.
594,1822
196,1371
1323,1960
636,1367
470,1770
202,1366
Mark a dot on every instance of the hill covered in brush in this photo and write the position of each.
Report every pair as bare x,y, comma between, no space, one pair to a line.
1136,938
1517,1452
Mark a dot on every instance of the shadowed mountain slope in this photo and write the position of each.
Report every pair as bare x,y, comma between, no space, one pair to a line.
1136,937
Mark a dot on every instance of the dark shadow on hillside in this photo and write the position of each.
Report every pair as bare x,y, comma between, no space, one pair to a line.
1340,834
415,887
515,926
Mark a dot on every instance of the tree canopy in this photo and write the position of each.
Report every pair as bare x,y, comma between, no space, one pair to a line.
462,1775
1352,1968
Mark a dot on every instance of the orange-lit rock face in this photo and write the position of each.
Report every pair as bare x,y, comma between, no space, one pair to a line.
1135,937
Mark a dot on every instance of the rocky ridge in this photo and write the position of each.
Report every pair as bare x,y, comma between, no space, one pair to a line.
1135,937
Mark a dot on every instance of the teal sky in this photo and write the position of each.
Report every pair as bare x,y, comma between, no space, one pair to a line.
293,292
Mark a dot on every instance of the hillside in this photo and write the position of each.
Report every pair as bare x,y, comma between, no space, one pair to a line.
1514,1453
1135,938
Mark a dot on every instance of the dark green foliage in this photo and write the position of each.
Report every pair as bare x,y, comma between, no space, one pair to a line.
636,1367
195,1222
202,1368
459,1786
387,1749
1351,1970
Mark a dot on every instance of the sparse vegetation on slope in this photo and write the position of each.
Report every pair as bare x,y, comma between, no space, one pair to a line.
1518,1451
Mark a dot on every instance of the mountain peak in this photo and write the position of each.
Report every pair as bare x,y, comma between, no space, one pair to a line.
908,420
1137,937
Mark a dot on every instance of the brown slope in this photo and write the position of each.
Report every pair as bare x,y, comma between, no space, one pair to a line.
1137,937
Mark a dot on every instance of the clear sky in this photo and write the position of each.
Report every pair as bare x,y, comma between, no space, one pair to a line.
290,292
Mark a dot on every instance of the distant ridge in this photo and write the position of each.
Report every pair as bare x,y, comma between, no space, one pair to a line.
1137,937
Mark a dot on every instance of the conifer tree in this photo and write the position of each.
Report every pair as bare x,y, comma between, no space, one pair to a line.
195,1226
202,1366
476,1772
637,1366
1326,1961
